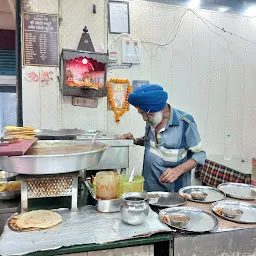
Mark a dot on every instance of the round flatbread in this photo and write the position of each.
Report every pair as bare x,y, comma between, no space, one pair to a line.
38,219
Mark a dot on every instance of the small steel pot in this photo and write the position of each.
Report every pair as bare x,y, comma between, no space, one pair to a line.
134,208
198,195
232,213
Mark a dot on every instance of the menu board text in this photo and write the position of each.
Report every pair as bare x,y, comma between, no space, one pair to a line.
40,39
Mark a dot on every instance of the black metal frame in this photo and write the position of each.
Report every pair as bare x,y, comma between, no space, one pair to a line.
7,88
19,64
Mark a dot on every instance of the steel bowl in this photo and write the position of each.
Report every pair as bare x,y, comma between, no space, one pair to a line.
198,195
179,220
232,213
153,198
134,208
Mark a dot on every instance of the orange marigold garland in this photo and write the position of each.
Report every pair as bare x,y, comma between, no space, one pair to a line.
118,113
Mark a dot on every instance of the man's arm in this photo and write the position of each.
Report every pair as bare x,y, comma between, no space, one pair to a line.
139,141
129,136
172,174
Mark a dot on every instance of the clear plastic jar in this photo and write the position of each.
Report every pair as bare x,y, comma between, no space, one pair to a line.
107,185
137,185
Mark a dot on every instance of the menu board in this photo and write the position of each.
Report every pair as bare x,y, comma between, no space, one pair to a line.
40,39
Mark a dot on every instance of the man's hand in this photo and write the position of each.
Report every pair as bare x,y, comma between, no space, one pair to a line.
127,136
170,175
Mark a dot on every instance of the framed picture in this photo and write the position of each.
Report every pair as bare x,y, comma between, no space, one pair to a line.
119,17
119,94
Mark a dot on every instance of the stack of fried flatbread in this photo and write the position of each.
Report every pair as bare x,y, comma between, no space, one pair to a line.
34,220
10,186
21,133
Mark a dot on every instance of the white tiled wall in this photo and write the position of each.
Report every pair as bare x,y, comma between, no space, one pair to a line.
207,73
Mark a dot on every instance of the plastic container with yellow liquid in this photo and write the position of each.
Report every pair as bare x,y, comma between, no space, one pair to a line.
137,185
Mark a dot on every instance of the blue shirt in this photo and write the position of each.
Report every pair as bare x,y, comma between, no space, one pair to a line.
177,142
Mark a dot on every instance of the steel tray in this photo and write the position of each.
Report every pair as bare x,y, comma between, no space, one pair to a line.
104,205
200,221
7,195
238,190
213,194
7,176
168,199
58,133
54,163
248,209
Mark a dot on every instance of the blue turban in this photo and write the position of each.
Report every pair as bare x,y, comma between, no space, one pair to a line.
150,97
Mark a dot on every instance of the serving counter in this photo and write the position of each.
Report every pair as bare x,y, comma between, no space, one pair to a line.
230,238
85,231
158,244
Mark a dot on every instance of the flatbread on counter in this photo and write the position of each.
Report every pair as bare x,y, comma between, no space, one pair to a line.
34,220
25,133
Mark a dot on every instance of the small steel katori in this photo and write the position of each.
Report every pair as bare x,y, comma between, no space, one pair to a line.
53,174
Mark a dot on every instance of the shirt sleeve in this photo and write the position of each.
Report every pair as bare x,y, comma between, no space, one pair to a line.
194,143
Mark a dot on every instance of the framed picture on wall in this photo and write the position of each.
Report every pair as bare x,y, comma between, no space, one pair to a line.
119,17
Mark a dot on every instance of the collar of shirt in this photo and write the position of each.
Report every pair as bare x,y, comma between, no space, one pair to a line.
172,121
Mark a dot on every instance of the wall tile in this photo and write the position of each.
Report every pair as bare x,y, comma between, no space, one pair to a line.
73,22
236,82
50,100
48,6
180,96
248,120
218,88
31,98
200,73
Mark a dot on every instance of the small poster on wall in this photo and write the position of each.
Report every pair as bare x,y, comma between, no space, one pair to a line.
119,21
84,102
46,77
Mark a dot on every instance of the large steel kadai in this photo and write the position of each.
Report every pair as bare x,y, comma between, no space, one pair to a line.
55,156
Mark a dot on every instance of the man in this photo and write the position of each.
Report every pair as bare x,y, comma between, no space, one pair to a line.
172,143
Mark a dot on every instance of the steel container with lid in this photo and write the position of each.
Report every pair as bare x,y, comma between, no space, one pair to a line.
134,208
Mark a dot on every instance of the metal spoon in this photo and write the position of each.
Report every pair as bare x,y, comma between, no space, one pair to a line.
133,173
95,139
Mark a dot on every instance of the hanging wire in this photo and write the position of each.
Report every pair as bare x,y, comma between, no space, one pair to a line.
206,22
222,29
177,24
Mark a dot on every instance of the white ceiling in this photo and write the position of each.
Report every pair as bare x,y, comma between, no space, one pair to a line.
7,14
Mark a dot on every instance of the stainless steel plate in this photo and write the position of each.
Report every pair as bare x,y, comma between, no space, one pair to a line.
167,199
248,215
58,133
55,163
200,220
213,194
238,190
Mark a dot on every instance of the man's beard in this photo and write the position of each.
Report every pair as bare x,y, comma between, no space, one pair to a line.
156,119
